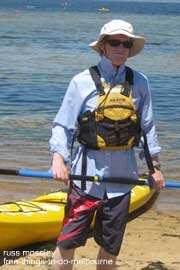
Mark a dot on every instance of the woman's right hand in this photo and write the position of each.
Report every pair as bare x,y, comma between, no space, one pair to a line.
60,171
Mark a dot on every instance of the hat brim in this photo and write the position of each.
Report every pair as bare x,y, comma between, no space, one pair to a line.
138,42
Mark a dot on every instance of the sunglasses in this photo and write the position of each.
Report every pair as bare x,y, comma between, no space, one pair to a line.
116,43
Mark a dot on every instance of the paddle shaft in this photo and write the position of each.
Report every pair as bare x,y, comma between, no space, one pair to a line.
29,173
38,174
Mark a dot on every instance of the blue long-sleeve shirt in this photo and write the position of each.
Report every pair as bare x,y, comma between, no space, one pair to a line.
81,96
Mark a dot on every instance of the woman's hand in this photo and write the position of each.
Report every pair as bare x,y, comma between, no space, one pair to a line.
60,170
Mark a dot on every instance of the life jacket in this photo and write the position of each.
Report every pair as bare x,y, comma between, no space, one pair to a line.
114,124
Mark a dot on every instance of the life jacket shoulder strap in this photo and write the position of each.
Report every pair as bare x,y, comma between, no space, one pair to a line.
96,76
129,75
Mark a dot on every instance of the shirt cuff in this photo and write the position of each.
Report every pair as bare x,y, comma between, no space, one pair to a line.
63,152
153,152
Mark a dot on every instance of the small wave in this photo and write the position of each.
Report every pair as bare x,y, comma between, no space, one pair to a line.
5,84
24,123
155,43
30,7
9,37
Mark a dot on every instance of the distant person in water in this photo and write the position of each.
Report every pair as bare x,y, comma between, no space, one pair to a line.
110,106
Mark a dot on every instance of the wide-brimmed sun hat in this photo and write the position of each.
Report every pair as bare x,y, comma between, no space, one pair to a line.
115,27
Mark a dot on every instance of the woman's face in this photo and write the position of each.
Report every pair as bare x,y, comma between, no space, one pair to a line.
116,48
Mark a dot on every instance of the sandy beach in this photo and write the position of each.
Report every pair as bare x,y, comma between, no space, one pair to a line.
151,241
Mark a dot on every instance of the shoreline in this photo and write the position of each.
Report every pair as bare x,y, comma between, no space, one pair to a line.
30,188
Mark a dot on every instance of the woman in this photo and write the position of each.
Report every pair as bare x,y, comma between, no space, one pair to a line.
112,154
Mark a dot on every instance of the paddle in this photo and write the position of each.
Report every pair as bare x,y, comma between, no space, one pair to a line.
29,173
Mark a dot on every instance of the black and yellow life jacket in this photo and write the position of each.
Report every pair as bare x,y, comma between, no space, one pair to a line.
114,124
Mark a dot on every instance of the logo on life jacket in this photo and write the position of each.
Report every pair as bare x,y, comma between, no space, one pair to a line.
114,123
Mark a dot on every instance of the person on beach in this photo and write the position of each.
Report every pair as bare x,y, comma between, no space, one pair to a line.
109,105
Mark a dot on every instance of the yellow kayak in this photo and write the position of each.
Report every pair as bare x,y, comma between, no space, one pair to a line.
26,222
103,9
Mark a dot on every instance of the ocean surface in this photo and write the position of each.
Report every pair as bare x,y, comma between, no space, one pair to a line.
44,43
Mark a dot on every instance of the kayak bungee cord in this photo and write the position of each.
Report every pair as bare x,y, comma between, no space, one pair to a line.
48,175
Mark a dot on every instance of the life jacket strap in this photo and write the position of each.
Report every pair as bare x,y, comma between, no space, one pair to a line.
147,154
96,76
129,75
84,168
